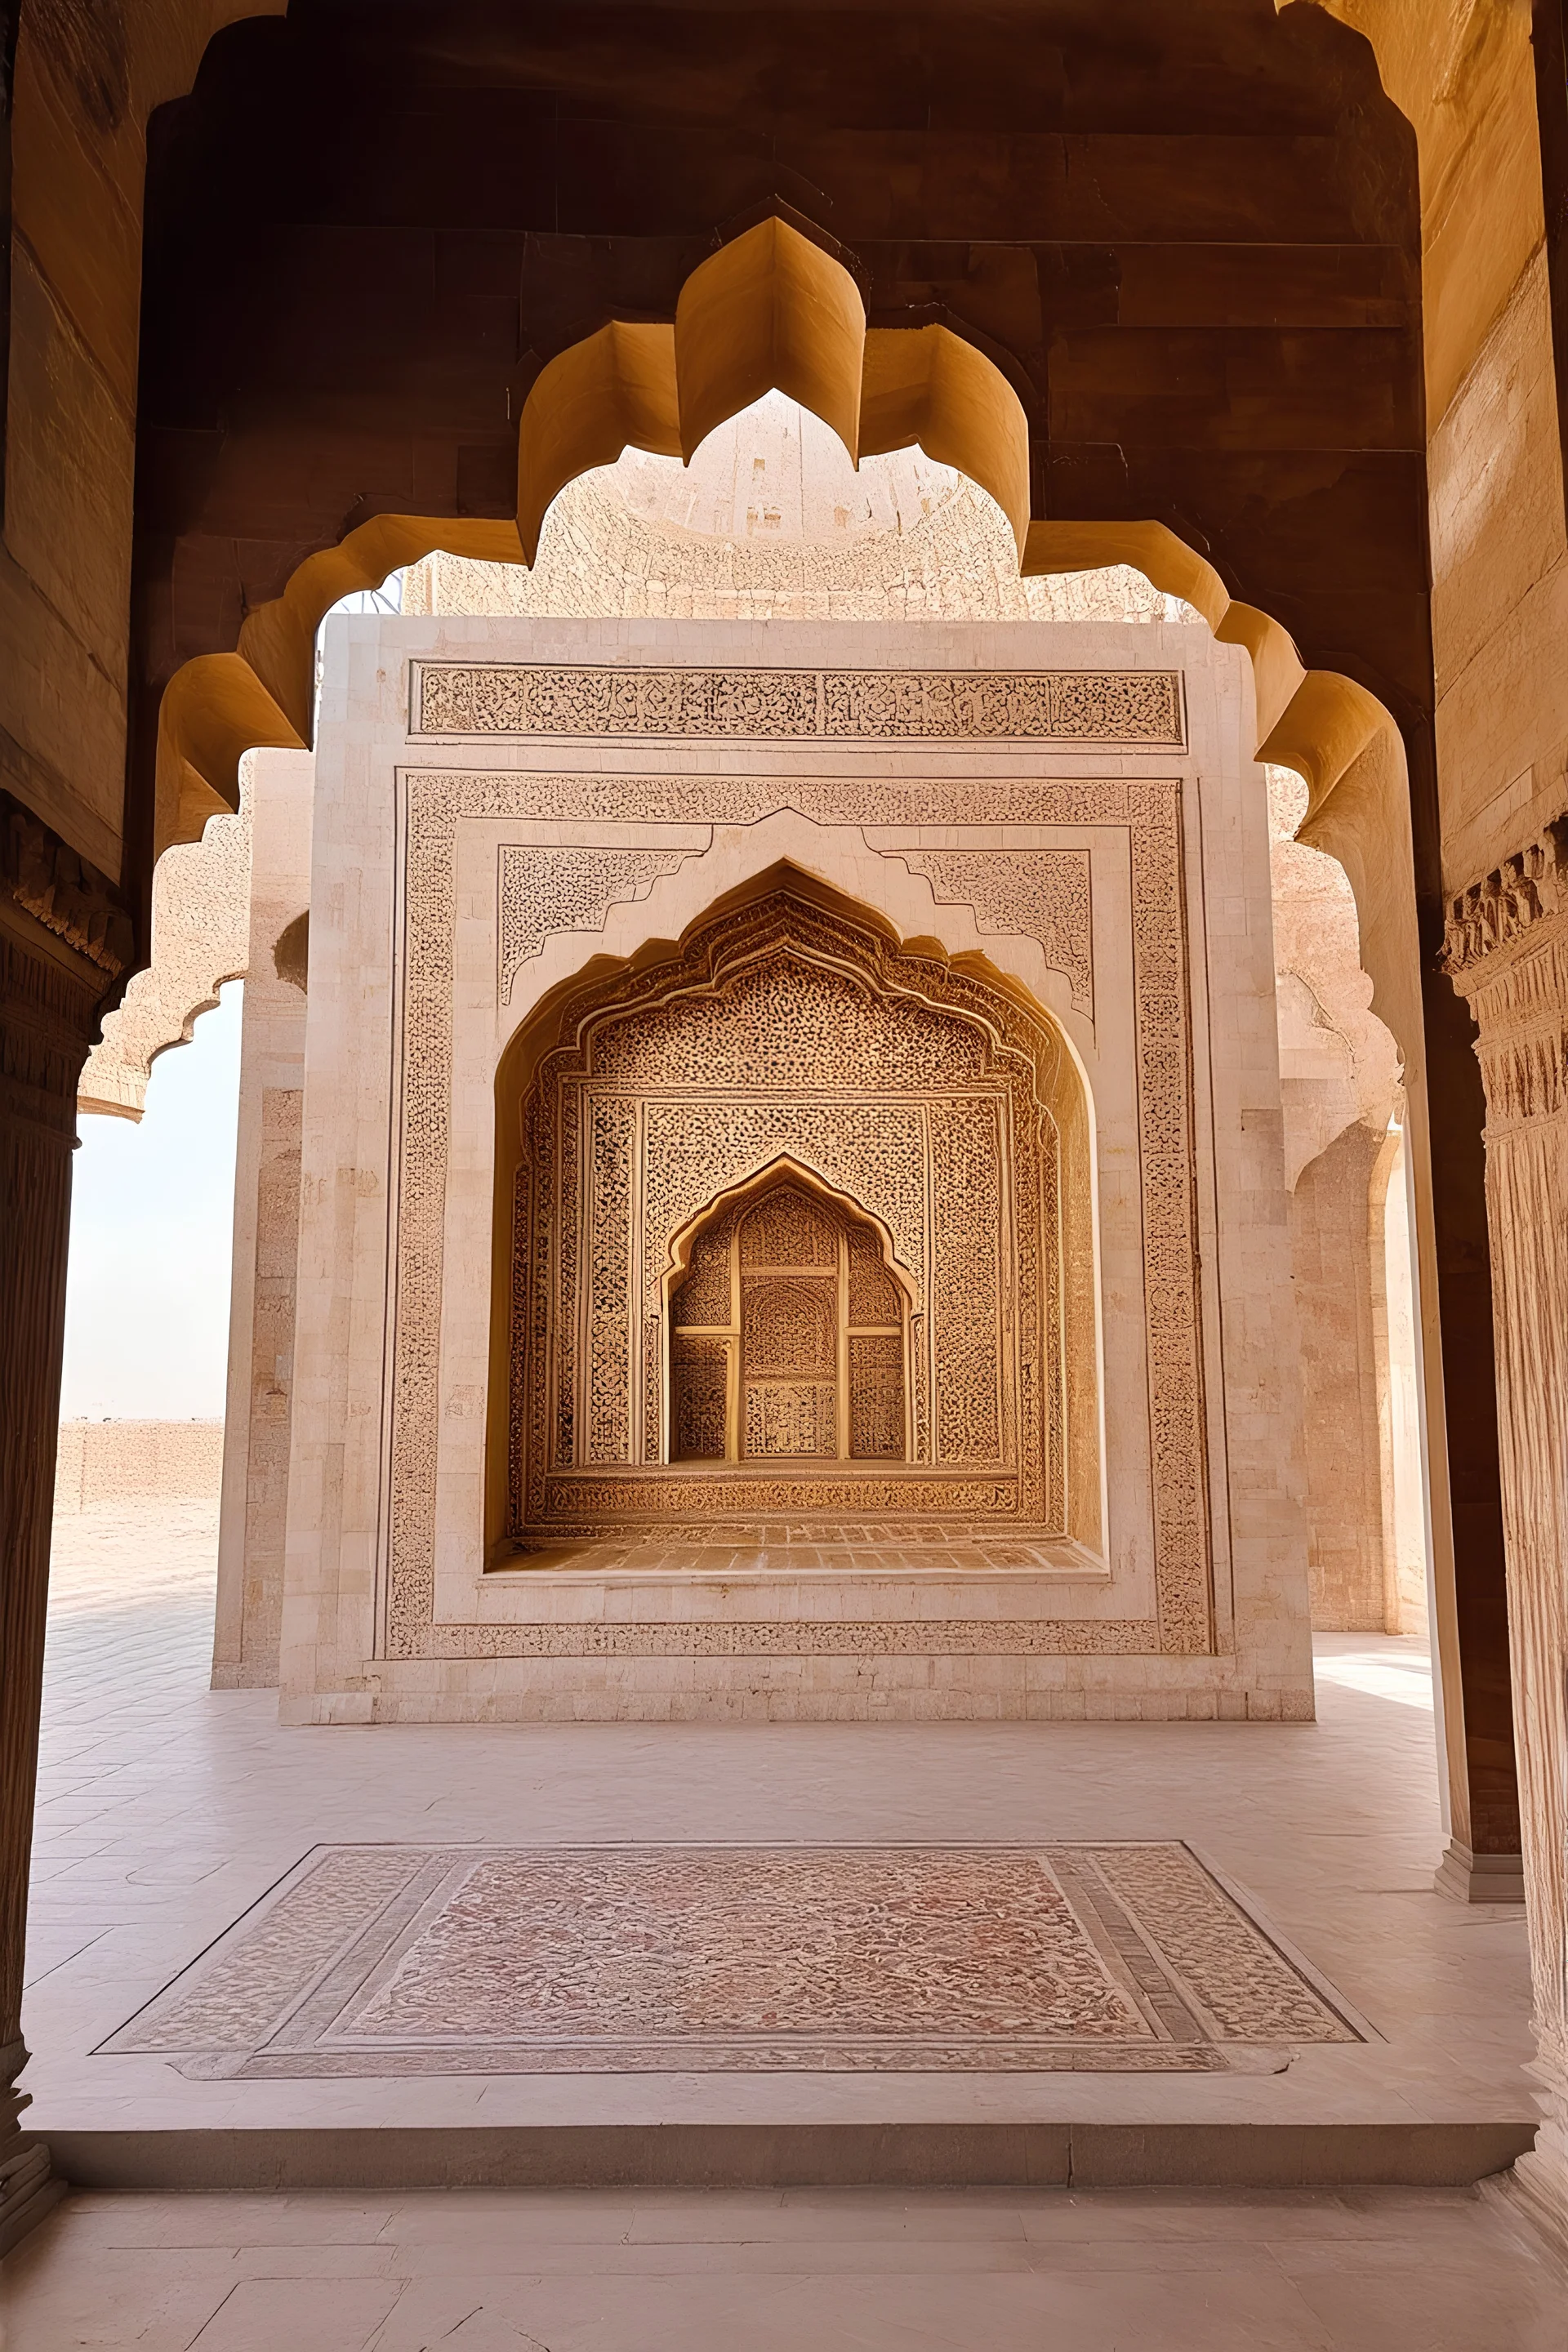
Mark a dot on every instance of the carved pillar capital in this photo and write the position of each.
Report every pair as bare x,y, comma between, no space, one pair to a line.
1506,906
1505,948
66,940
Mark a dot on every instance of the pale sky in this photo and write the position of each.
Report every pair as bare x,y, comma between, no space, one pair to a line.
151,1235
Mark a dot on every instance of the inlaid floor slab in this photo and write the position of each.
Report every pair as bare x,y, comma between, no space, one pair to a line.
376,1959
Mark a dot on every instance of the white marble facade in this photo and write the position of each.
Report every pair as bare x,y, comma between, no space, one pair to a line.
504,807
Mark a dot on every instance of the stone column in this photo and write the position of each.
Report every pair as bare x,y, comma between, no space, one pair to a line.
64,940
253,1524
1507,951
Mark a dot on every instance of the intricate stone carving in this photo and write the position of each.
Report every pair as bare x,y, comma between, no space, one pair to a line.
873,1293
700,797
933,1637
436,800
697,1148
699,1385
70,899
705,1293
1509,901
876,1396
788,1228
783,1032
579,1502
611,1139
804,1271
966,1204
1042,894
1132,705
545,889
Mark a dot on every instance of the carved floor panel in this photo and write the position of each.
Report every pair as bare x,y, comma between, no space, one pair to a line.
406,1960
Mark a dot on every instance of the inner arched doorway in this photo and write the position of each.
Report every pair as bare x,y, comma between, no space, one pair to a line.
788,1335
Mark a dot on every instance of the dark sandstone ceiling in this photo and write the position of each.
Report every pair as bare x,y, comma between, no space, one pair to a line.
1187,229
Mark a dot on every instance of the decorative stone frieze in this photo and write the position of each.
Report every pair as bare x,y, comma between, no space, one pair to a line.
1131,705
1509,900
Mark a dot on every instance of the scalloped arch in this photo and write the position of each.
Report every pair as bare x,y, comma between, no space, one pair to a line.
772,309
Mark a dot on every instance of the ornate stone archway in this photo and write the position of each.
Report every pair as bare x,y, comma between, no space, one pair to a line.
788,1041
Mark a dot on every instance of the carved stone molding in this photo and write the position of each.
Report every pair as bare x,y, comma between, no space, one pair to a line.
550,888
795,1637
1506,950
1142,706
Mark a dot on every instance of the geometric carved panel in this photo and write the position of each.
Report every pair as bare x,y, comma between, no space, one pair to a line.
545,889
698,1382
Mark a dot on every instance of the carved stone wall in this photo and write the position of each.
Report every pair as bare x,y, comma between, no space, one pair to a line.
1507,950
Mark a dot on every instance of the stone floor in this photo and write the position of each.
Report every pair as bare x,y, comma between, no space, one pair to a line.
166,1810
479,2271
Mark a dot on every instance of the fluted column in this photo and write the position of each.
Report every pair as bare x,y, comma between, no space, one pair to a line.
1507,951
63,942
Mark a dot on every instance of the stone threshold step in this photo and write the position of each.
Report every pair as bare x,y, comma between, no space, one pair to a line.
378,2158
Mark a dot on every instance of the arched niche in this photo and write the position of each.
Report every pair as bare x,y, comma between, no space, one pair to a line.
788,1328
934,1119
